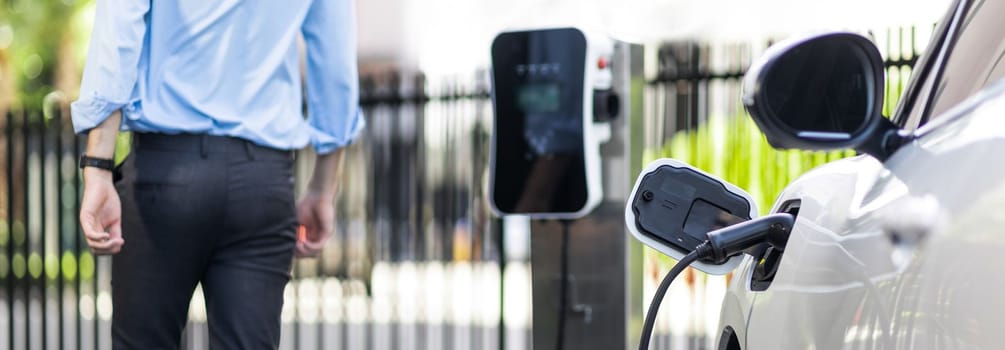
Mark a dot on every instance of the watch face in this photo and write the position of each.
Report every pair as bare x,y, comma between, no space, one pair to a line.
538,84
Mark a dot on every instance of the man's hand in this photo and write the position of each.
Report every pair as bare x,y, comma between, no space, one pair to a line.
101,212
316,213
100,209
316,210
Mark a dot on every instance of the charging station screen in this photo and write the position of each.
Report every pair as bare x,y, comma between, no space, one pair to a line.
539,98
538,84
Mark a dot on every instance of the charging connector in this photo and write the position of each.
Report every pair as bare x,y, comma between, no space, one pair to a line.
736,239
721,245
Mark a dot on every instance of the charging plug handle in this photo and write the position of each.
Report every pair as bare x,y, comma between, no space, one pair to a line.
732,240
721,245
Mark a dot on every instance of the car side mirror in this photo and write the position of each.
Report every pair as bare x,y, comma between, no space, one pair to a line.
821,92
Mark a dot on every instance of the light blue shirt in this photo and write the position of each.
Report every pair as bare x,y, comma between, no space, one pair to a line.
225,67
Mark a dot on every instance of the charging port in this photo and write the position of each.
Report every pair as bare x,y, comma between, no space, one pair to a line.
771,257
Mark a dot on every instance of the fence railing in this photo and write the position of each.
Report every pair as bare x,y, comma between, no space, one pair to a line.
52,294
417,261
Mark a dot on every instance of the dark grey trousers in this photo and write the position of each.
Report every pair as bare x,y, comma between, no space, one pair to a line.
203,209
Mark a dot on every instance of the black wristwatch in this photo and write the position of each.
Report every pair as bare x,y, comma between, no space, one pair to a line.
100,163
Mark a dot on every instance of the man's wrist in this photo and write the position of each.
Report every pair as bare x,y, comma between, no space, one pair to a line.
324,180
97,174
321,191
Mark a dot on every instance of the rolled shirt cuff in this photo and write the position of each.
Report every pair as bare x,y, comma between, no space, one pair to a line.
325,142
88,112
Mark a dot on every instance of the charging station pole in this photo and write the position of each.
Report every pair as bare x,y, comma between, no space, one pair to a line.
604,293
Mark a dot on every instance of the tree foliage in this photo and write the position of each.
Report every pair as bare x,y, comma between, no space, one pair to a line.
44,46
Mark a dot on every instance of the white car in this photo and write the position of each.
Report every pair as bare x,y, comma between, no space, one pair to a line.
903,246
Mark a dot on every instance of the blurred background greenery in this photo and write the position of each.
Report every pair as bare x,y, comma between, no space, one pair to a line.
43,44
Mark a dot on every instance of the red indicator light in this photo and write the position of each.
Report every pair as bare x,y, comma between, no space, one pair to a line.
602,63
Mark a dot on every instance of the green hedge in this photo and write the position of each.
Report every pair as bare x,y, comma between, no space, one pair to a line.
734,149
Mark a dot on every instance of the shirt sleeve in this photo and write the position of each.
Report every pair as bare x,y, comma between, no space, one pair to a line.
113,58
333,111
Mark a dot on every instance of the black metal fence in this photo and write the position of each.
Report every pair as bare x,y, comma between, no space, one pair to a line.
52,295
417,262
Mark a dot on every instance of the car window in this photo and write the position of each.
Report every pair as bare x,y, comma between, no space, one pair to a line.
976,59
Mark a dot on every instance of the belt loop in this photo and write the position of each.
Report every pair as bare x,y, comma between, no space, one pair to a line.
202,146
247,148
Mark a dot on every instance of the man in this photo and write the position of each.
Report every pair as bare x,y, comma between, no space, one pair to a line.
212,92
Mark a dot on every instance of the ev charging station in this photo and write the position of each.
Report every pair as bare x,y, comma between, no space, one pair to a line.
553,104
563,157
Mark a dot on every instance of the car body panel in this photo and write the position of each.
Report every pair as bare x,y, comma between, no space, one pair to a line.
902,254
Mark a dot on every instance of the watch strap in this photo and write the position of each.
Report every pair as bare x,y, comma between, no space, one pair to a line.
100,163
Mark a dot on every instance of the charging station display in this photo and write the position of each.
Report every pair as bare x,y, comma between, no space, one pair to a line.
539,157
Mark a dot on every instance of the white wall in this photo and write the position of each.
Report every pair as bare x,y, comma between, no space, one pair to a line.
382,33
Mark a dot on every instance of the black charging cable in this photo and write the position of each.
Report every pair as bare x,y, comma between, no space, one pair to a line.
721,245
563,289
703,250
